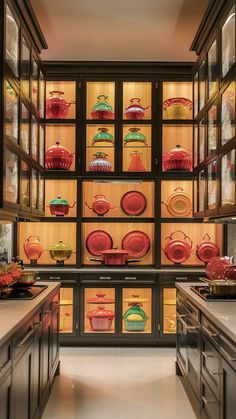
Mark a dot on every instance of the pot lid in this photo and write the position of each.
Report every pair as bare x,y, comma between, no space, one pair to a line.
102,104
136,243
173,101
136,299
115,252
98,241
216,267
59,201
101,312
58,150
103,135
60,246
133,203
178,153
100,299
135,104
135,135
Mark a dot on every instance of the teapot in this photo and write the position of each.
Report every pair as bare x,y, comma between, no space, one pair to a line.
100,205
135,110
102,109
33,249
60,207
56,106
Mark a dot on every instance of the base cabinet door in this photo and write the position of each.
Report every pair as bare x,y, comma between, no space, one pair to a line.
46,358
54,336
21,384
5,397
36,373
228,391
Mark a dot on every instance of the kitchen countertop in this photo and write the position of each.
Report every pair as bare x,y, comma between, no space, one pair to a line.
14,312
121,270
222,314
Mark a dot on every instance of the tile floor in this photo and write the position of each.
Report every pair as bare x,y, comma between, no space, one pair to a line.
118,383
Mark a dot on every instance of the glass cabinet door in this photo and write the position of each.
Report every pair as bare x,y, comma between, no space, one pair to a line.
41,94
196,98
25,184
11,113
195,145
228,42
41,145
169,310
34,138
41,193
11,177
67,309
212,132
136,310
34,83
99,310
201,191
177,100
202,85
34,189
12,42
24,128
202,134
100,148
212,69
137,100
100,100
211,185
25,67
228,179
137,146
228,114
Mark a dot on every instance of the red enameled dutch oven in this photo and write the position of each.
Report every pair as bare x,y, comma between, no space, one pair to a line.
178,250
114,257
207,250
101,319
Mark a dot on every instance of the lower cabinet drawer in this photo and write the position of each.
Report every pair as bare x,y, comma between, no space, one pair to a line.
179,277
57,276
22,339
211,366
119,277
209,404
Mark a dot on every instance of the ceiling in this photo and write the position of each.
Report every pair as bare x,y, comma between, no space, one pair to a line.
123,30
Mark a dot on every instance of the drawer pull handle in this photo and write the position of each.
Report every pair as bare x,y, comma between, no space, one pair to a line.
213,373
181,278
104,277
55,277
207,355
130,278
24,340
211,334
205,401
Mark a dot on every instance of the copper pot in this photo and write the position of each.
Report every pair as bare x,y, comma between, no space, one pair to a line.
221,287
28,278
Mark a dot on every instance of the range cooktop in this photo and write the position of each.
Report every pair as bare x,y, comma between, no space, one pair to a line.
204,292
23,293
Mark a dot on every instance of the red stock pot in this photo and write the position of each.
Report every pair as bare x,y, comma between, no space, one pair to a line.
177,159
114,257
178,250
58,157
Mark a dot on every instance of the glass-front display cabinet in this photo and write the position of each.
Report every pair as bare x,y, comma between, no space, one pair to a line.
22,148
137,310
214,76
168,294
99,310
67,310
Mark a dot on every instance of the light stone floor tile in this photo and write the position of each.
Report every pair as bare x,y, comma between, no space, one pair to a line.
118,383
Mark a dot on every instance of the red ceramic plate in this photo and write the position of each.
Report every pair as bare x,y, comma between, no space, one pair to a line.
215,269
133,203
98,241
136,243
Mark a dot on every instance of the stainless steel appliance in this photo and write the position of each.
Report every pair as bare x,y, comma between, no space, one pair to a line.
188,342
21,293
203,291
